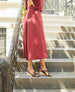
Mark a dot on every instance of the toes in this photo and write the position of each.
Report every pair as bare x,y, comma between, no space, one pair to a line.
50,74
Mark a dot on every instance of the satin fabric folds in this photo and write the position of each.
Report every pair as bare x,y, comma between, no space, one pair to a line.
34,44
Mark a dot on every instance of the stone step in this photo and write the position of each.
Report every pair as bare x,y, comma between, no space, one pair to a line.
50,43
59,35
58,23
53,65
59,28
9,4
59,80
55,53
49,17
60,43
61,53
45,90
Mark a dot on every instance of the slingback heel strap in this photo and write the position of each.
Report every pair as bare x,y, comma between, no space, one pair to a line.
43,72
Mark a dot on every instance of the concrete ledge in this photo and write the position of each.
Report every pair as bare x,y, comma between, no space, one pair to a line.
45,90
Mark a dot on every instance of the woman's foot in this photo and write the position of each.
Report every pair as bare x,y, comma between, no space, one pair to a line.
43,71
31,72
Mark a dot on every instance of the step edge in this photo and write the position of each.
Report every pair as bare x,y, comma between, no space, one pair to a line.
44,90
69,49
49,60
67,75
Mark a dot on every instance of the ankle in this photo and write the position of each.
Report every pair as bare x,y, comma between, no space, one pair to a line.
43,67
30,68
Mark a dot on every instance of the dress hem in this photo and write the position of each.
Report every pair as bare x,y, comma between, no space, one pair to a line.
35,58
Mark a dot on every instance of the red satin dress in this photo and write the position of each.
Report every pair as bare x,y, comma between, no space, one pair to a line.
34,45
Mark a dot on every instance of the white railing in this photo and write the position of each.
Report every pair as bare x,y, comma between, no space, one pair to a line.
57,6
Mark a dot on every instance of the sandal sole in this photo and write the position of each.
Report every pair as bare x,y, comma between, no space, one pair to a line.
41,73
31,75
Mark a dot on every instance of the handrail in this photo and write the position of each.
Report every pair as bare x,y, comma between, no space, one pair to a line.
59,6
69,7
69,1
8,73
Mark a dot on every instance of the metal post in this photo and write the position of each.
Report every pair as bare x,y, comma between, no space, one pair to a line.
44,6
71,7
65,7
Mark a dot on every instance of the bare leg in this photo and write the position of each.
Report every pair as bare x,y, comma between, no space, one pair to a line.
30,68
42,64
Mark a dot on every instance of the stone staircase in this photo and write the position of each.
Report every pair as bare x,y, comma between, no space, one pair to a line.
60,40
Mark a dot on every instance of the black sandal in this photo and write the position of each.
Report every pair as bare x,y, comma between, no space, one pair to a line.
43,72
33,75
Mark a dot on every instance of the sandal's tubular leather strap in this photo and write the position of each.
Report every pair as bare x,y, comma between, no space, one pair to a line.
44,71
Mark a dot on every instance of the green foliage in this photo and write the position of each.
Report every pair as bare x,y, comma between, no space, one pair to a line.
23,12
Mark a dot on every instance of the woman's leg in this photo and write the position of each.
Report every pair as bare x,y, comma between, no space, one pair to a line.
30,66
30,69
42,64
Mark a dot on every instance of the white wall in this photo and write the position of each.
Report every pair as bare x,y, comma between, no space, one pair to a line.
9,34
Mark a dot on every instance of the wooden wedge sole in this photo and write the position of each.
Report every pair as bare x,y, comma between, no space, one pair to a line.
41,73
29,74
